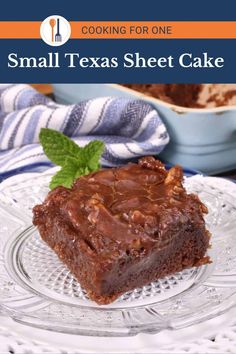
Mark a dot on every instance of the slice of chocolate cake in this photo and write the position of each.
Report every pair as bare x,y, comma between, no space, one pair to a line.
121,228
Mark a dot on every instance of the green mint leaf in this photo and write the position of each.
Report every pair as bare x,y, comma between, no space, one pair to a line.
68,173
92,153
74,160
82,171
57,146
65,177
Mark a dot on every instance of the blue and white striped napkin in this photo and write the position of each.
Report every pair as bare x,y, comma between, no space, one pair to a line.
129,128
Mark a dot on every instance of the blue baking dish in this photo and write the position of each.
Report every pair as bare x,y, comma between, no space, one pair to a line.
200,138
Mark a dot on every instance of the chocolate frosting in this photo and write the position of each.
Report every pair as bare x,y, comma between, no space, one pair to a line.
129,208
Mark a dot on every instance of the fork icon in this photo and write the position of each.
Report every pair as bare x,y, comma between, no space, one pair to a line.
58,37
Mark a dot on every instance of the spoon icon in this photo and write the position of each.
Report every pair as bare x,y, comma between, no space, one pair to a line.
52,23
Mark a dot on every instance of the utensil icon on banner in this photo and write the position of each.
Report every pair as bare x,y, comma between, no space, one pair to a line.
58,37
52,23
55,30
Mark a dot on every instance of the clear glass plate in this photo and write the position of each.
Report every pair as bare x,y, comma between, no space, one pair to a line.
38,290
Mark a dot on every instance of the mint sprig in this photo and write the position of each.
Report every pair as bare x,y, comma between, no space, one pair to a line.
57,146
74,160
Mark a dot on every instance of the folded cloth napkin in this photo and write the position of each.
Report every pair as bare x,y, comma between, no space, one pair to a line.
129,128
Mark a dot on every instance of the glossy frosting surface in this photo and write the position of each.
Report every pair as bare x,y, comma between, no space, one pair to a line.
138,206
